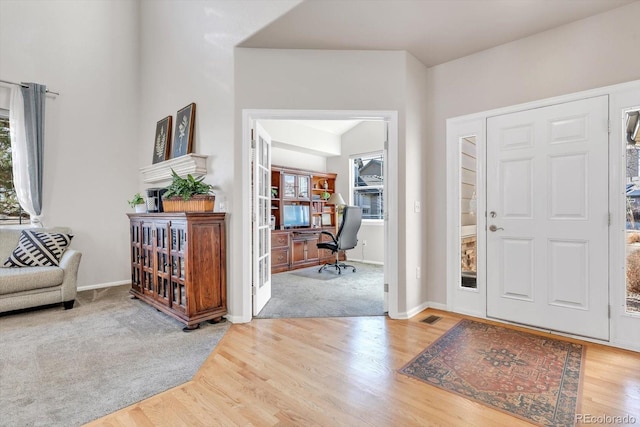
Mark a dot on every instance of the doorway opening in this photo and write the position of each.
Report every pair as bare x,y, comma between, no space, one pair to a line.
314,156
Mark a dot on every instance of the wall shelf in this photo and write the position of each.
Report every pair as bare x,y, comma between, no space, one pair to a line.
194,164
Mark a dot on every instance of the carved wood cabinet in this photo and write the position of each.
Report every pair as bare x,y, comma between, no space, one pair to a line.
293,249
178,264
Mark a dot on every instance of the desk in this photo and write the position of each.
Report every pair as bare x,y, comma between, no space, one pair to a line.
296,248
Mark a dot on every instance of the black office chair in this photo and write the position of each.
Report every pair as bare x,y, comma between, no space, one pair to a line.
347,237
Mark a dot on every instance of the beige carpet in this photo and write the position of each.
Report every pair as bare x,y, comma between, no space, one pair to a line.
307,293
65,368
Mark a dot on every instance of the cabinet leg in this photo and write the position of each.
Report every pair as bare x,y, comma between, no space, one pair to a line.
190,328
216,320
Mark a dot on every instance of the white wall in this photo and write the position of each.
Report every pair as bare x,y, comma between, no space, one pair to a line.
338,80
594,52
187,55
412,160
297,146
364,138
296,159
304,138
86,51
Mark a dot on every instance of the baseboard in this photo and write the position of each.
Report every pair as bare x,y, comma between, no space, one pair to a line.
364,261
438,306
416,310
103,285
236,319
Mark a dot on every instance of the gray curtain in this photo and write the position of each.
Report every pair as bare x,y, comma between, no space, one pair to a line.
34,98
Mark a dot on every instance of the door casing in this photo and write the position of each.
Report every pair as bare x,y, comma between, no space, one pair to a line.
250,116
625,328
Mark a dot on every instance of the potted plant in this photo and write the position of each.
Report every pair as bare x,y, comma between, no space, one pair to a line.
138,203
188,195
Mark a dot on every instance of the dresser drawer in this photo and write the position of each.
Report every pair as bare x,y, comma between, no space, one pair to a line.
279,240
280,257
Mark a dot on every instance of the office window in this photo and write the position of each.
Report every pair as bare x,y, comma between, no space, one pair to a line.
10,211
368,184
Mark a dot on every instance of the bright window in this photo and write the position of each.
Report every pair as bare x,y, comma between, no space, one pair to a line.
10,211
367,185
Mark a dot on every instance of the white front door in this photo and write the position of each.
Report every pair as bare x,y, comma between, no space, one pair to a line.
547,217
261,216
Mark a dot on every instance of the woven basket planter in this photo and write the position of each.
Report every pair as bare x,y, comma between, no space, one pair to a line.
198,203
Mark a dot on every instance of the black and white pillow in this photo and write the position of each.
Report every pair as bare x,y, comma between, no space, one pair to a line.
38,249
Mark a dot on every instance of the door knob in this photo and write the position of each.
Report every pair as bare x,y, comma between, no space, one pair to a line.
494,228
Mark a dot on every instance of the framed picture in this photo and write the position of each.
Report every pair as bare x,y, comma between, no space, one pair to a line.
326,219
183,138
162,145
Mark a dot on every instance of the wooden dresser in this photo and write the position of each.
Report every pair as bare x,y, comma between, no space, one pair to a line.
178,264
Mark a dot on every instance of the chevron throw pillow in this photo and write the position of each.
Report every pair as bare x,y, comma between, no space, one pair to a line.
38,249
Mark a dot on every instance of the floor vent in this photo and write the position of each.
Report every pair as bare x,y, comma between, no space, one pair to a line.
431,319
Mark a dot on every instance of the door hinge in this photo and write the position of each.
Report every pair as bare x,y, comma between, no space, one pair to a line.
609,219
608,126
386,287
254,290
609,313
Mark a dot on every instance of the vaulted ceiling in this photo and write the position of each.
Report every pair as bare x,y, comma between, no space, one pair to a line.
434,31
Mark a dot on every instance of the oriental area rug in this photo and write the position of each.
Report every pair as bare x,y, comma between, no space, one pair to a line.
532,377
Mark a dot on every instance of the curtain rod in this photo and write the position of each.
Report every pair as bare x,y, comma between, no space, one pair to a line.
20,84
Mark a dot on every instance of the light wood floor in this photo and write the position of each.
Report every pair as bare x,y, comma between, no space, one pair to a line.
344,372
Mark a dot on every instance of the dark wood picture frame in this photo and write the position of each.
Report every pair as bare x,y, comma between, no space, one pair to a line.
162,142
183,138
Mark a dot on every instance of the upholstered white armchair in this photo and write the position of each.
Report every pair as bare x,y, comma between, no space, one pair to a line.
25,287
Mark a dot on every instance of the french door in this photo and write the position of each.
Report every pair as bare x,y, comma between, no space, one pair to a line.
547,217
261,215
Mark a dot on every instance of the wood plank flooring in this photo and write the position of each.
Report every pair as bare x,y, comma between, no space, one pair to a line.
344,372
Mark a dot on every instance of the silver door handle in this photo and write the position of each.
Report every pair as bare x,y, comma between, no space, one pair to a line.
494,228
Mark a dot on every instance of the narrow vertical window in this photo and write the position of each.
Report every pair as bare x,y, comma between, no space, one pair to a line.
468,212
632,209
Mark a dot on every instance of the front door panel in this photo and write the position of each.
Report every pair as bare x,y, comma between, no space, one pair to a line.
547,200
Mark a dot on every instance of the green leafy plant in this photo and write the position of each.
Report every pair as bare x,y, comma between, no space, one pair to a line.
186,187
137,200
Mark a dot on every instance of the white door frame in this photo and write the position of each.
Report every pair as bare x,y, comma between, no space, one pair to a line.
249,116
474,303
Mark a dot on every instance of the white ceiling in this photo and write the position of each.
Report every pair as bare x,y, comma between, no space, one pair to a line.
434,31
335,127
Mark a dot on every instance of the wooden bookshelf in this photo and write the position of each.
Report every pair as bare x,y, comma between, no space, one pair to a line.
295,247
